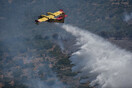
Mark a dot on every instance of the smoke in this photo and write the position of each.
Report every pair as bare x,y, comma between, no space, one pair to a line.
127,17
60,43
59,40
50,82
22,62
103,64
37,83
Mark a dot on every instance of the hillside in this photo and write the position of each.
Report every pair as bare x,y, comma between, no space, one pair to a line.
32,55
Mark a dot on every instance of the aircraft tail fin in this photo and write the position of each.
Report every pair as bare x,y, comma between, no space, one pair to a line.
36,22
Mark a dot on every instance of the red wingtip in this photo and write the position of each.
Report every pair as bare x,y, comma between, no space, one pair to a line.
61,10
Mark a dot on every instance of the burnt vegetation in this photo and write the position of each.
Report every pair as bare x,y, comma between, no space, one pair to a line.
26,50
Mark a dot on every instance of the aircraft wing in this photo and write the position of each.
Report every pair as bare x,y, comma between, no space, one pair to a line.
42,19
45,18
55,13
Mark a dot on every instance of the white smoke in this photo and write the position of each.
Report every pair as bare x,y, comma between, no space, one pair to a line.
52,82
101,62
60,43
127,17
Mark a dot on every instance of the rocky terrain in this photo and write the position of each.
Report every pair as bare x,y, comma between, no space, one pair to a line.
37,56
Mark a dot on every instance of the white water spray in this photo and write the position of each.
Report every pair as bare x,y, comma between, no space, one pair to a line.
102,62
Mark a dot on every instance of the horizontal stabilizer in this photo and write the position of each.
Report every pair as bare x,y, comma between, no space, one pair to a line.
49,13
43,15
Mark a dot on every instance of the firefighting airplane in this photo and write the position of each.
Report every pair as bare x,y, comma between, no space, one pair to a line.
58,17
